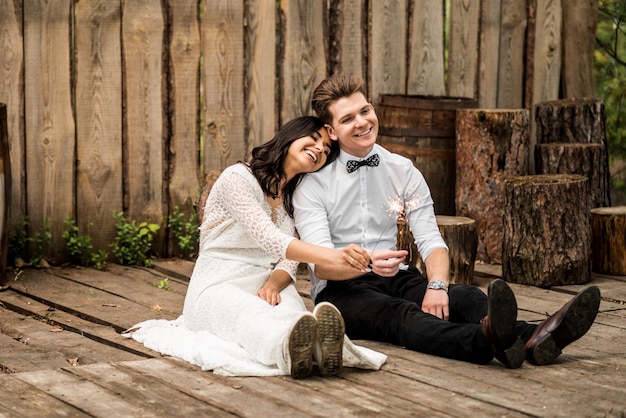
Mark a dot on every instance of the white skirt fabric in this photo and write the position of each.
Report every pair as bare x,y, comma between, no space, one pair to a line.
233,332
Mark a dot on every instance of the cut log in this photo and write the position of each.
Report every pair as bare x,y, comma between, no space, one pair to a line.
608,238
575,121
460,235
571,121
547,236
584,159
490,146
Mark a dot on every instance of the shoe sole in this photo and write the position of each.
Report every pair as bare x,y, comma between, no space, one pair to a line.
301,339
578,319
503,324
331,330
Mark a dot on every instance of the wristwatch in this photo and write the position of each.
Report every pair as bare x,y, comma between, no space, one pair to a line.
437,284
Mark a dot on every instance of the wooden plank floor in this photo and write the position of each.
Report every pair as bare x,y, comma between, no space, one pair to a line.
61,355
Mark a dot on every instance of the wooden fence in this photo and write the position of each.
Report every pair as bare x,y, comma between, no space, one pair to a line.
124,105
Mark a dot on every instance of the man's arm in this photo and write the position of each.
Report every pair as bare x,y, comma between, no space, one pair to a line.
436,301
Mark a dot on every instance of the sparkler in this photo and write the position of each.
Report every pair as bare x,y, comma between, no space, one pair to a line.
398,207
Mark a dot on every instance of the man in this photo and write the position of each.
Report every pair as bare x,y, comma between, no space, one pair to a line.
357,198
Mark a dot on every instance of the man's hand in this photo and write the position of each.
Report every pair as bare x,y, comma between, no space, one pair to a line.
386,263
436,303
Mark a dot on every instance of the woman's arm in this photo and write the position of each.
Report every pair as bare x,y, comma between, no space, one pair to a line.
270,292
352,257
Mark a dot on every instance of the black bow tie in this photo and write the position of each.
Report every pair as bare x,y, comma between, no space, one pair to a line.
353,165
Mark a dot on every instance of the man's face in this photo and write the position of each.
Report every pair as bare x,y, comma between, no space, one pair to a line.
354,125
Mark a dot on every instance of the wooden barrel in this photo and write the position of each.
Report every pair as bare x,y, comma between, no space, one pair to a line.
5,190
422,128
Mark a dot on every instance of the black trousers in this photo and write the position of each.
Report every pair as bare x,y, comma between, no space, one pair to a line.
388,309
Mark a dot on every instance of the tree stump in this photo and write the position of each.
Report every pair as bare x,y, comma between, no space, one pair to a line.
608,238
547,236
575,121
490,146
583,159
571,121
460,235
207,185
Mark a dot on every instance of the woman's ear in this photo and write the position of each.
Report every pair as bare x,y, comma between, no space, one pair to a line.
331,132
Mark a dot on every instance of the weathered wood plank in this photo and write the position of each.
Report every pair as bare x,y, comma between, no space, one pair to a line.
11,94
183,89
492,383
49,346
141,289
143,391
50,129
510,88
303,64
579,42
425,397
221,33
463,48
387,48
488,66
175,267
19,399
90,303
347,35
142,37
84,395
222,392
260,76
426,73
98,118
106,335
547,51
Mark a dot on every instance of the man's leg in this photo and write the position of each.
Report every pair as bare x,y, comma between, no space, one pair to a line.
370,313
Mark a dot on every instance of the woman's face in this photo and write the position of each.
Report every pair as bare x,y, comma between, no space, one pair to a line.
309,153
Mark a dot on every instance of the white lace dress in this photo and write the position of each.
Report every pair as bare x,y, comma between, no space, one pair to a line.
225,326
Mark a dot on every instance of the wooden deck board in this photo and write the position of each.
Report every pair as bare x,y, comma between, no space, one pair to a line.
118,376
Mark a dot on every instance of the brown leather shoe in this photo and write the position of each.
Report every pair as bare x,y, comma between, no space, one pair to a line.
567,325
499,325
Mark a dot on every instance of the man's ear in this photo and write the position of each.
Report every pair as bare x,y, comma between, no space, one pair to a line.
331,132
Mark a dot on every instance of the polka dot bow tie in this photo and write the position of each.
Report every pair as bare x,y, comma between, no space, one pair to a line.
353,165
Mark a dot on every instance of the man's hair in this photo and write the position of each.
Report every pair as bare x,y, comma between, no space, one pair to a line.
332,89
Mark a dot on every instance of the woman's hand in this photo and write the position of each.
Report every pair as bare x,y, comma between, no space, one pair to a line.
355,257
386,263
269,294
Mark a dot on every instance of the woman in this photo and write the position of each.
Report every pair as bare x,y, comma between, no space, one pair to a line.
242,313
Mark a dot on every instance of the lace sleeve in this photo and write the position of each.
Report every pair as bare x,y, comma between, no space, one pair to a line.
290,266
243,198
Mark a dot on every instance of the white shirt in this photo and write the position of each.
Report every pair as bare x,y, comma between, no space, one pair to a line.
334,208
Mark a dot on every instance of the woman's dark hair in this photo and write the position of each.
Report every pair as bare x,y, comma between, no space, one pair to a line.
267,159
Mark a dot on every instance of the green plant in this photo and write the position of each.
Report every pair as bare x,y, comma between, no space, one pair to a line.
40,241
81,248
610,75
185,232
163,284
99,259
18,239
79,245
133,240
